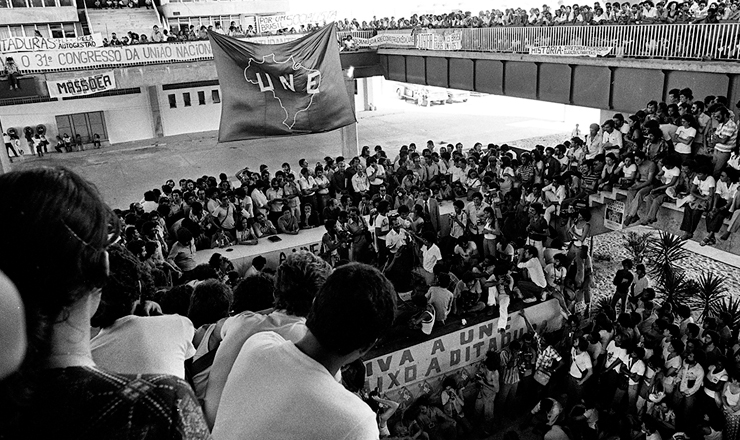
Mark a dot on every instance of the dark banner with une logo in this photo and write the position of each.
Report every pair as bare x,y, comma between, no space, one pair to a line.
283,89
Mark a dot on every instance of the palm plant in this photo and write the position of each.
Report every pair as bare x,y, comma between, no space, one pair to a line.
676,288
730,305
663,254
636,245
710,291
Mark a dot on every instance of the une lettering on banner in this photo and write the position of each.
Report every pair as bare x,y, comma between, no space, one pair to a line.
392,372
87,85
570,51
284,89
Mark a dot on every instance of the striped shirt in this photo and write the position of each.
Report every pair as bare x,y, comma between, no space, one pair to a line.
509,366
728,129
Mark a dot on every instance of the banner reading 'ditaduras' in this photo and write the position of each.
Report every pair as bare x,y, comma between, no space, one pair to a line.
284,89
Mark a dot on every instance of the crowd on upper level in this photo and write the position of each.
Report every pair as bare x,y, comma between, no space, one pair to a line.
610,13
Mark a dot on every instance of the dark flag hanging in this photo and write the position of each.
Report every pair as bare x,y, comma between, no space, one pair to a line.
283,89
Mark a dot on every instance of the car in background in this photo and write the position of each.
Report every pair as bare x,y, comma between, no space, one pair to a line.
457,95
422,95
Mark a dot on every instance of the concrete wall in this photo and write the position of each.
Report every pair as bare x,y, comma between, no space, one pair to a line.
195,118
196,9
127,117
58,14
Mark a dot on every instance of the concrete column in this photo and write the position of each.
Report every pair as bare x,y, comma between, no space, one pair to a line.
5,166
350,141
369,91
348,134
156,112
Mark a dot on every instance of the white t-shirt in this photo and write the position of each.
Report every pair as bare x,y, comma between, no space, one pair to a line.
430,256
614,354
668,175
534,268
635,366
629,172
726,192
705,185
275,391
684,133
145,345
235,332
581,363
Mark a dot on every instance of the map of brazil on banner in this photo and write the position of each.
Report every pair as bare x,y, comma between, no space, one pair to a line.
284,89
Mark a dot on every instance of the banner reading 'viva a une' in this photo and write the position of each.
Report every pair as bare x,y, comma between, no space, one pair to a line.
284,89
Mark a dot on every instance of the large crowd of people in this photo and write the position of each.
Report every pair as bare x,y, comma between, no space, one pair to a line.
126,330
610,13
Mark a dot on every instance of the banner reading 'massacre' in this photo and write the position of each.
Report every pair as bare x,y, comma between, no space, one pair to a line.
280,89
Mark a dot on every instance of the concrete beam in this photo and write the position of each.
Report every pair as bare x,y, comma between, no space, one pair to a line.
727,67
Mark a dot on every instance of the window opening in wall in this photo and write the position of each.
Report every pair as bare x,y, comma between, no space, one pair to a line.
215,96
173,101
186,99
201,98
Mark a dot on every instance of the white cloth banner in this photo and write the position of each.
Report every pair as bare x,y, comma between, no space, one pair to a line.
570,51
394,40
433,39
54,60
273,23
86,85
34,44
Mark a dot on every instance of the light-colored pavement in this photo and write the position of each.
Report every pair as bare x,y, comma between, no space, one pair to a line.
123,172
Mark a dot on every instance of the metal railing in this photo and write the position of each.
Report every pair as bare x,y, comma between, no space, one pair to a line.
677,41
356,34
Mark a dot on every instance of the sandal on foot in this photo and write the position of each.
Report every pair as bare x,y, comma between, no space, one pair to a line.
724,236
686,236
708,241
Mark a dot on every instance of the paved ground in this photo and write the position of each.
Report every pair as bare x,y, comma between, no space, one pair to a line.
123,172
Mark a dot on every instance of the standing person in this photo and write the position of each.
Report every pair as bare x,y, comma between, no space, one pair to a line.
430,256
634,369
724,138
537,230
509,376
297,281
623,281
9,145
359,231
351,310
578,232
489,382
690,379
580,371
730,398
59,382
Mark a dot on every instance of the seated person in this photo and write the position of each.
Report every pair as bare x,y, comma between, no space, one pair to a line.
288,223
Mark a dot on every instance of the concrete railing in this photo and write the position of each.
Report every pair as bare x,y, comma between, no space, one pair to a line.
677,41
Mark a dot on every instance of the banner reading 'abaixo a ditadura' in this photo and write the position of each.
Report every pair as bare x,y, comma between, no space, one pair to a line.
416,370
